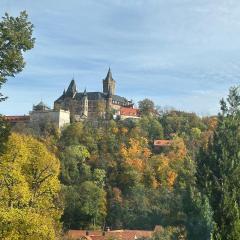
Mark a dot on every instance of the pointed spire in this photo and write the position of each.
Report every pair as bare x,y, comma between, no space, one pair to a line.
85,92
109,74
72,89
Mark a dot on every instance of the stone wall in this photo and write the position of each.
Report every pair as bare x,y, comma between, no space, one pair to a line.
58,117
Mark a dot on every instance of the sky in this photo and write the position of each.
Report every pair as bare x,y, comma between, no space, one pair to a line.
179,53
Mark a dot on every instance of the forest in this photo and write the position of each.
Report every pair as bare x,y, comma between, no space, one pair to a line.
108,174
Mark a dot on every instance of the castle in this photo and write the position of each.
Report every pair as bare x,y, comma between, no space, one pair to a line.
74,106
91,105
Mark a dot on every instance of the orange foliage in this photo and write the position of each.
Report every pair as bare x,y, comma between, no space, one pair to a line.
136,154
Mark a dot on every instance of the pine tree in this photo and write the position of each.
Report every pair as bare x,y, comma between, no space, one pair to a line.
219,170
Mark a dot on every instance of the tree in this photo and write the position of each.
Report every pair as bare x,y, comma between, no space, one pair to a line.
73,167
146,107
16,224
4,133
85,206
180,122
168,233
218,170
136,153
151,127
29,188
101,109
15,38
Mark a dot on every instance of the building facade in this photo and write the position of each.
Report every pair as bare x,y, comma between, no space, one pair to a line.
90,105
42,113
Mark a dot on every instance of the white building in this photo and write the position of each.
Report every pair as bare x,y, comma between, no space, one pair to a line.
42,113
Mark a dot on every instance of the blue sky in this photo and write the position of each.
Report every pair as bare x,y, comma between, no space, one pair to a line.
180,53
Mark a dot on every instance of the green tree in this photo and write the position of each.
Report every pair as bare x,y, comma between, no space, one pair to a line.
85,206
219,169
4,133
146,107
74,169
168,233
151,127
15,38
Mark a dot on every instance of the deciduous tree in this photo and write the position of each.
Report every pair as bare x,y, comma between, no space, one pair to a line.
29,188
15,38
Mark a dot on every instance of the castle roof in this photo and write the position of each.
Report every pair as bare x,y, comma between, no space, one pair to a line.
72,93
40,106
90,95
72,88
109,76
95,96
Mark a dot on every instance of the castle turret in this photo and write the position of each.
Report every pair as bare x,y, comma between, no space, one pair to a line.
109,84
85,104
41,107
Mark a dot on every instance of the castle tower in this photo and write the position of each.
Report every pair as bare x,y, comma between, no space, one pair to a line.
85,104
72,89
109,84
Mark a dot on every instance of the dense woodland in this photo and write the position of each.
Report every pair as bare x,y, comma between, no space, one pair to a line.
106,173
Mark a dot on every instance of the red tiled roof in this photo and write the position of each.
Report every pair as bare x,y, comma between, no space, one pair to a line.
129,111
82,233
162,143
129,234
14,119
118,234
98,237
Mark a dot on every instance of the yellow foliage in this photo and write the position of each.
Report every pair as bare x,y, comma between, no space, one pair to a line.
171,177
14,189
178,149
23,224
28,185
114,130
167,165
124,130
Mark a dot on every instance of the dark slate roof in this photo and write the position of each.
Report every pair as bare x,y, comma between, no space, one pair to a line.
109,76
40,106
91,95
96,96
72,89
119,99
60,98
